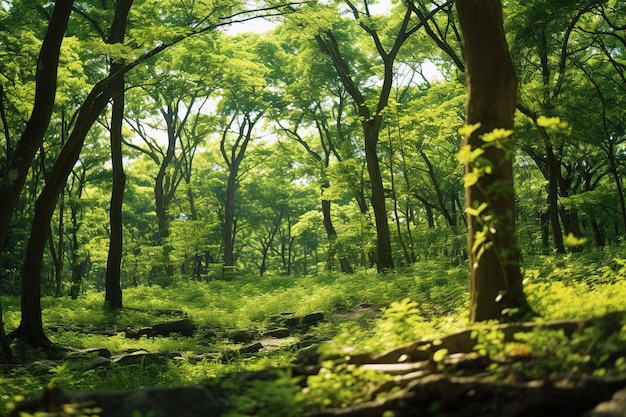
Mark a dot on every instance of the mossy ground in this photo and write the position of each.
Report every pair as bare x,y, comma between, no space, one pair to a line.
428,299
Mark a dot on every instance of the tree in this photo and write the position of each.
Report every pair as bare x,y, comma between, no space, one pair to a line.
495,276
371,115
14,176
30,328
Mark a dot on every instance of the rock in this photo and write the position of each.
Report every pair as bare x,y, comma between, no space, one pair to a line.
184,326
311,319
90,352
229,355
99,362
209,334
291,322
139,357
279,333
285,319
131,334
242,335
616,407
146,331
251,348
308,355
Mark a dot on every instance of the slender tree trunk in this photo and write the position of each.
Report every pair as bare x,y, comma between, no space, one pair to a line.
544,224
618,185
237,153
113,288
228,238
495,276
78,265
331,233
396,214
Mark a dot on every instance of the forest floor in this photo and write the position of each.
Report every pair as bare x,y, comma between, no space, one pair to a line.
330,345
474,372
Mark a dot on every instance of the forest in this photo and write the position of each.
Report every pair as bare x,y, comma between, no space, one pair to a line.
320,208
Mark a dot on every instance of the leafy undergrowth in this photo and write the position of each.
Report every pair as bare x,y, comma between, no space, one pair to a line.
427,300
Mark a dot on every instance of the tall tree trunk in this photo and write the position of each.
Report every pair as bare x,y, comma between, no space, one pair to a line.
18,163
113,288
30,328
495,276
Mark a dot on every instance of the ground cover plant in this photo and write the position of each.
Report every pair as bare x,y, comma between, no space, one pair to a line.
409,305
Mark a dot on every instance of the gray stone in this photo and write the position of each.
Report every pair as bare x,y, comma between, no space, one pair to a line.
99,362
140,357
146,331
90,352
278,333
312,318
242,335
251,348
616,407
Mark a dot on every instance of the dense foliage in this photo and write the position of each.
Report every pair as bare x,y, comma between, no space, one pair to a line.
161,153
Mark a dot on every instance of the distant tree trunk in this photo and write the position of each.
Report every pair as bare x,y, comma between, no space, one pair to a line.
233,159
495,276
544,224
610,152
440,200
553,198
331,233
228,232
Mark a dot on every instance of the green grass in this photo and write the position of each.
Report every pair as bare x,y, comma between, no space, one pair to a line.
435,302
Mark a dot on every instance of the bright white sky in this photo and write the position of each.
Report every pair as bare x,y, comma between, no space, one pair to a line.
263,25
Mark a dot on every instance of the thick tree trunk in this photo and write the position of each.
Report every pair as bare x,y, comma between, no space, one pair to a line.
495,276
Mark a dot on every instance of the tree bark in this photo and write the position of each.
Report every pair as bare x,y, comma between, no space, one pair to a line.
30,328
495,276
237,153
331,233
113,288
18,164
